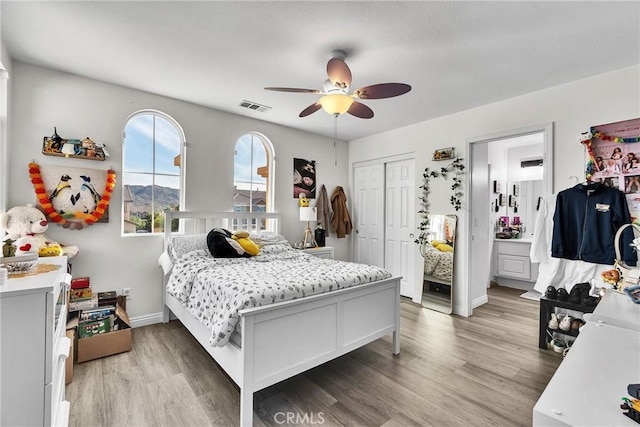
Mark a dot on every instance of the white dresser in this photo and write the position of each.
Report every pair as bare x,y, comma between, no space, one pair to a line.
587,387
34,347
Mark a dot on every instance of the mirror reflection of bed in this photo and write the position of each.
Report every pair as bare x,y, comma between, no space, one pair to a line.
438,253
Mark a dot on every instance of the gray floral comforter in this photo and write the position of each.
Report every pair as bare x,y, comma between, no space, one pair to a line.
214,290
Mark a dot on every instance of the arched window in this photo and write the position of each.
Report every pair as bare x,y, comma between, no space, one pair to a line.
253,174
153,170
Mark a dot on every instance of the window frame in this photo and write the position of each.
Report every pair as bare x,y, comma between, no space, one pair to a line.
271,163
182,175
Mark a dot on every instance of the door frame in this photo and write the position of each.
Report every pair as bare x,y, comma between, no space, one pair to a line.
547,130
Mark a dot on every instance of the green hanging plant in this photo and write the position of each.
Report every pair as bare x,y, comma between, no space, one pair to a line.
456,167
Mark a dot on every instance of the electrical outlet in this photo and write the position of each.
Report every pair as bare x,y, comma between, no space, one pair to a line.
126,292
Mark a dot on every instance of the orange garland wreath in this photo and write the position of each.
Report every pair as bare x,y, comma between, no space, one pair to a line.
47,206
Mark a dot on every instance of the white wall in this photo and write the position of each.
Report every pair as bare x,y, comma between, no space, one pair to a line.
81,107
572,107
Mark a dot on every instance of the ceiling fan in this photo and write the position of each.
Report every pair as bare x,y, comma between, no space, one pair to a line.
336,99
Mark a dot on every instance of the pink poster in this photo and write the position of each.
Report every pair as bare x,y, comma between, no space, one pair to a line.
614,151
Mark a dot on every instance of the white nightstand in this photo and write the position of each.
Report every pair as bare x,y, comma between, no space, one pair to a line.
320,252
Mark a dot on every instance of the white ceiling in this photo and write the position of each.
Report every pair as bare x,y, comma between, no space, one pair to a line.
455,55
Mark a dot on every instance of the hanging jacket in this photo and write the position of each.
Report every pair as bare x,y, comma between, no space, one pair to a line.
341,221
585,223
556,272
324,209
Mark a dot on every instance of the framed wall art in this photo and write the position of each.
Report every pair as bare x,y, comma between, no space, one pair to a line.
443,154
614,159
73,197
304,178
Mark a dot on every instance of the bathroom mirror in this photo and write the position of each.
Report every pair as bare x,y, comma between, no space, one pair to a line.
526,209
438,253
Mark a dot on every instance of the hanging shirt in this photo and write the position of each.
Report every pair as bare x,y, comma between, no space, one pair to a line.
556,272
585,222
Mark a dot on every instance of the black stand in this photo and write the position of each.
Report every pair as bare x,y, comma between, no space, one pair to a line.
547,307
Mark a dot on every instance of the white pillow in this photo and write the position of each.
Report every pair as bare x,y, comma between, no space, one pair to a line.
264,239
180,245
165,262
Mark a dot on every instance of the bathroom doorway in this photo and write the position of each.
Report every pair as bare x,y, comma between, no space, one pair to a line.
485,197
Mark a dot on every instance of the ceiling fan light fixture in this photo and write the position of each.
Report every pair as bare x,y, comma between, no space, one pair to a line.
336,104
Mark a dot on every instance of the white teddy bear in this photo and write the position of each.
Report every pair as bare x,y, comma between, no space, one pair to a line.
26,225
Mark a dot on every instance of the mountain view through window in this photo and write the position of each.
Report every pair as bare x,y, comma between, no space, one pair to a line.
152,178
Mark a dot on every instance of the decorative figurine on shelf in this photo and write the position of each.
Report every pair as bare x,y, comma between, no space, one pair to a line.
57,140
8,249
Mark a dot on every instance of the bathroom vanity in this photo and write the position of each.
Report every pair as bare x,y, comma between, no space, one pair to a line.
512,266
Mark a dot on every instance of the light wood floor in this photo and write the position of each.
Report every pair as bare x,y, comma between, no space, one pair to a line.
452,371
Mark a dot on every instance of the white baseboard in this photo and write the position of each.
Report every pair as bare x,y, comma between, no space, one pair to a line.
480,301
514,283
460,310
146,320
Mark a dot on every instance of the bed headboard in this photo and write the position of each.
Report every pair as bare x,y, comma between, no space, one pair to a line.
201,222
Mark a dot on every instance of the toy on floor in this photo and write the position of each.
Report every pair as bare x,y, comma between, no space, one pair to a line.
632,406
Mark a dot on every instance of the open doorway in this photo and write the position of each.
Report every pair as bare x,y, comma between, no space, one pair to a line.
489,200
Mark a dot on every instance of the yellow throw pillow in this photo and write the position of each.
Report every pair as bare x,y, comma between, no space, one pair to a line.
247,244
443,247
435,243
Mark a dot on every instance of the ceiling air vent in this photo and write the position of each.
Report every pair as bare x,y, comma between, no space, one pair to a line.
254,106
530,163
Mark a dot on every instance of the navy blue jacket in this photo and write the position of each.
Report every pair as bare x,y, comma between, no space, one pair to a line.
585,223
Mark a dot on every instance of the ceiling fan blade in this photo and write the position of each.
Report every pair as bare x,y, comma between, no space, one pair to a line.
339,73
360,110
293,89
382,90
310,109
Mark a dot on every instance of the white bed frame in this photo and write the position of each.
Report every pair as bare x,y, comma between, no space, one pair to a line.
318,328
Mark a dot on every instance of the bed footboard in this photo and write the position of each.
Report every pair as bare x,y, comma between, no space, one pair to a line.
281,341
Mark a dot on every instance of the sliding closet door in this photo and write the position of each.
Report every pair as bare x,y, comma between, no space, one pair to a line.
399,223
368,214
384,218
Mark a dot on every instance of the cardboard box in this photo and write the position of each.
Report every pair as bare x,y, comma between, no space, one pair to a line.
102,345
68,370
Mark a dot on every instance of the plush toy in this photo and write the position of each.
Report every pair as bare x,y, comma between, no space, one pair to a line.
242,237
26,225
223,244
303,201
611,276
